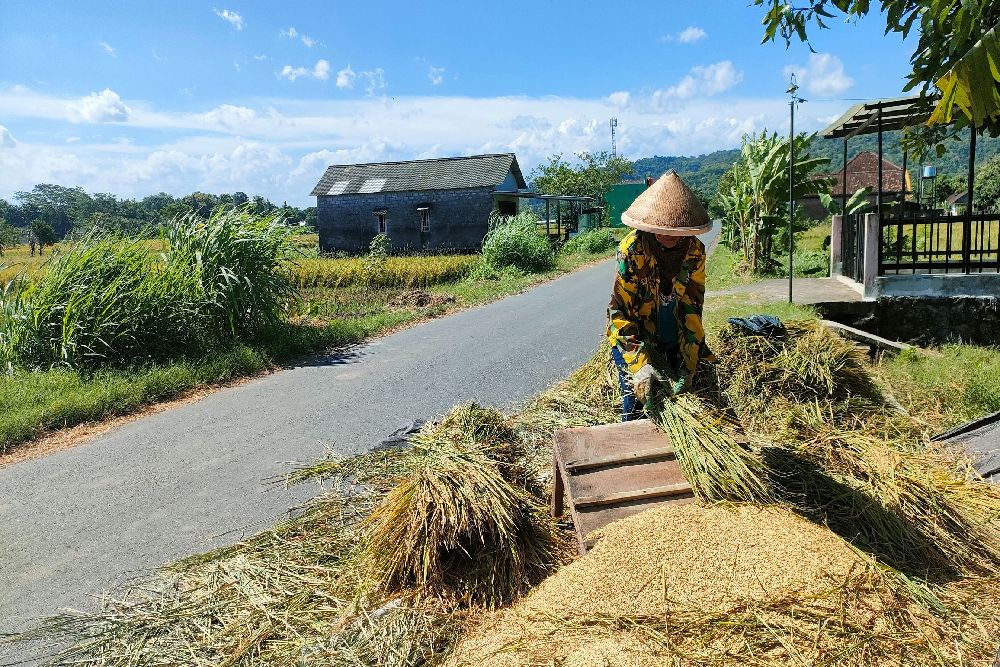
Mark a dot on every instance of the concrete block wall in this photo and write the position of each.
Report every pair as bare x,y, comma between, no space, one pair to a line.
459,219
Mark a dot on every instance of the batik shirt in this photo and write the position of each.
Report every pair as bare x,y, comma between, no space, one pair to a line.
632,313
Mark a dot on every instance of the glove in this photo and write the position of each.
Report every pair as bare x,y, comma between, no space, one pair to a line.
642,382
676,386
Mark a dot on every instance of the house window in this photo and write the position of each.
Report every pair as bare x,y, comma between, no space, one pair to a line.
425,218
380,215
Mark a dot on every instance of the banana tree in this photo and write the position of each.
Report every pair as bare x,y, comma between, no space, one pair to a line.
756,197
855,203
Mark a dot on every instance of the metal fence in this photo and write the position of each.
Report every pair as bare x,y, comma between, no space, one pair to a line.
852,248
939,244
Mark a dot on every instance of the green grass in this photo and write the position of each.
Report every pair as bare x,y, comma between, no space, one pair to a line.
721,269
811,260
948,386
33,403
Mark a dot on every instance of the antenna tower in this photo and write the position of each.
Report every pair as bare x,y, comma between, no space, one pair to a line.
614,144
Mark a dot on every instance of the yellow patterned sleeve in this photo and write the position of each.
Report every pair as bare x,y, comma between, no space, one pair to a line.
624,330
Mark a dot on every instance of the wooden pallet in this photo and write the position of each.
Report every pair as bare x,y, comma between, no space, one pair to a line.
606,473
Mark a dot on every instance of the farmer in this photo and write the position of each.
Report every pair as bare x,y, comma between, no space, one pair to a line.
654,318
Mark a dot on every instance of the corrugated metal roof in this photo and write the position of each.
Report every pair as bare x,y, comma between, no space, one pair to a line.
452,173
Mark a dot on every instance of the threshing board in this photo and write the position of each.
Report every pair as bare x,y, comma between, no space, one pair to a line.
610,472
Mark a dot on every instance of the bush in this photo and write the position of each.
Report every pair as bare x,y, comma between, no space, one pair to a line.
591,241
107,299
516,242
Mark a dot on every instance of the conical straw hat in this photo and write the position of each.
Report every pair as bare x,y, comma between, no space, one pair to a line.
668,207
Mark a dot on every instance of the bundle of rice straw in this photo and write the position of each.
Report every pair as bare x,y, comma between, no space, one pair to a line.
762,375
731,584
716,465
843,455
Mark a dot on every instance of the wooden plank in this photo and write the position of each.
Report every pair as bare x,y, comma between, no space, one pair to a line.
620,470
884,344
558,488
665,491
620,458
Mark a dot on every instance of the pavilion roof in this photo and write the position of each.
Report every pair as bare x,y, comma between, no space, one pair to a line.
897,113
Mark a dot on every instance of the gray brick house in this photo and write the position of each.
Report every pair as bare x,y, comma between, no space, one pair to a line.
438,204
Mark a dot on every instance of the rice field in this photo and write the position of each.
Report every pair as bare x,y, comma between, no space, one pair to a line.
408,271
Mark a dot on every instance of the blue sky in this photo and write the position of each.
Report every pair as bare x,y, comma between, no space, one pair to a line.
137,97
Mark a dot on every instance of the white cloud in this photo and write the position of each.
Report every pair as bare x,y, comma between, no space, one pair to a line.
157,57
691,34
376,81
345,78
292,73
279,147
824,75
292,33
229,116
103,107
321,71
6,139
260,56
232,17
620,99
704,81
110,50
436,75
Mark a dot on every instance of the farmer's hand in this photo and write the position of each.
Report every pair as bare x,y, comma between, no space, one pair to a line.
642,382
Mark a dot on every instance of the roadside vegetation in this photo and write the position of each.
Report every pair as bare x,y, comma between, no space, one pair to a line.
107,324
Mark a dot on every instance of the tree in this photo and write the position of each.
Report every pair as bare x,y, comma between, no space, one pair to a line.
986,196
200,203
9,236
60,207
755,199
591,177
44,234
957,53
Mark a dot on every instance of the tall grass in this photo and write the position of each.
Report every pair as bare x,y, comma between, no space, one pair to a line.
106,300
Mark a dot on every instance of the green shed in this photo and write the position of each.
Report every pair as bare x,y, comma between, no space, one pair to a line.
619,197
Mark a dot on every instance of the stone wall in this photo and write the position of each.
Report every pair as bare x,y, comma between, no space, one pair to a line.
459,219
924,320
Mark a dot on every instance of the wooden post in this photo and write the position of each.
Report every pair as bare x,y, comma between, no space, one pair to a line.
967,227
843,182
548,232
879,201
836,246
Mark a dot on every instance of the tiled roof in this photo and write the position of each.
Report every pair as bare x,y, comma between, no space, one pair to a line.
862,172
450,173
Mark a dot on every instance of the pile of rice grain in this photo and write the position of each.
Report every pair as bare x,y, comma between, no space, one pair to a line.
707,556
683,584
695,555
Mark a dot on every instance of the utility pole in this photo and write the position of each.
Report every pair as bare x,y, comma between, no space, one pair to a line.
793,88
614,143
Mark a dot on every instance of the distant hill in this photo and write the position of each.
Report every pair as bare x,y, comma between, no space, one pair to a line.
703,172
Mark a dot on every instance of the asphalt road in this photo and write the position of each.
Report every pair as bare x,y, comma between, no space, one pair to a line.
179,482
